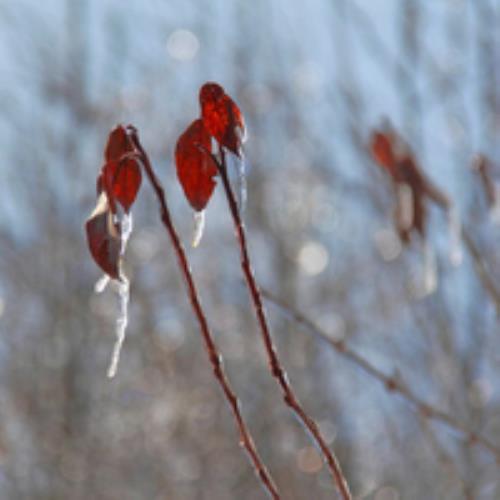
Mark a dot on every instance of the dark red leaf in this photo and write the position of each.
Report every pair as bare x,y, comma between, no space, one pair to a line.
124,180
195,168
103,238
118,144
382,151
222,117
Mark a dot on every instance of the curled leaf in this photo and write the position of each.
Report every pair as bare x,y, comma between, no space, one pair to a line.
124,180
103,238
222,117
118,144
195,167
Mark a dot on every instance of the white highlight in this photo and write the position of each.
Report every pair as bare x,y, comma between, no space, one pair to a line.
199,226
455,230
101,283
430,270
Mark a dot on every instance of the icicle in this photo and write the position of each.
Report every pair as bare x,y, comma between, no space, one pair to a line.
430,269
495,208
199,226
123,286
126,230
405,203
101,283
121,325
242,183
455,230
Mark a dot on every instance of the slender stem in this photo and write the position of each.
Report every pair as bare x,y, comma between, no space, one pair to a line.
482,270
274,363
210,345
391,383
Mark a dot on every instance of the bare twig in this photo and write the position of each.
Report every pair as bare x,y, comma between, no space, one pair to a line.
482,270
391,383
274,363
210,345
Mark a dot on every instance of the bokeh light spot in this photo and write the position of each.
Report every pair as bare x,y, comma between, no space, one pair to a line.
308,460
183,45
313,258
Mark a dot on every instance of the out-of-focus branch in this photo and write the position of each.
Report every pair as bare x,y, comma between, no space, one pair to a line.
482,270
210,345
274,363
393,384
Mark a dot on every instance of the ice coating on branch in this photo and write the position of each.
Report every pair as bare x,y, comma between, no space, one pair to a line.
495,208
430,269
123,287
199,226
455,231
242,183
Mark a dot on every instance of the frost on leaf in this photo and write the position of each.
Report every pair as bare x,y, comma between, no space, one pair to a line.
103,238
195,167
222,117
109,226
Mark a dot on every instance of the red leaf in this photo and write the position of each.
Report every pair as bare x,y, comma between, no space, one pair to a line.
381,148
121,175
222,117
103,238
195,168
124,180
118,144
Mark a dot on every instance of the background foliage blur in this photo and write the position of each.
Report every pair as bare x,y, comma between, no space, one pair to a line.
312,79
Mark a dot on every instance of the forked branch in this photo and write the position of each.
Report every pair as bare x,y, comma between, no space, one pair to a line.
274,363
211,348
391,383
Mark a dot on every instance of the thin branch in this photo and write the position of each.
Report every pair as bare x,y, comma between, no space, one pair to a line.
390,382
482,270
274,363
210,345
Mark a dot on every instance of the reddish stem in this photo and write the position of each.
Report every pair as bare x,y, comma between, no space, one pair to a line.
210,345
274,363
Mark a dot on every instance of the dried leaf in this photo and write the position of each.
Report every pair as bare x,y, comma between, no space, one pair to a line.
222,117
195,167
103,238
382,152
124,180
118,144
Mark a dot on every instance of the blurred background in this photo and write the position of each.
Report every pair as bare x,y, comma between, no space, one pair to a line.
312,79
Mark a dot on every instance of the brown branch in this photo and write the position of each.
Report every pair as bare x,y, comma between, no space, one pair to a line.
274,363
210,345
390,382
